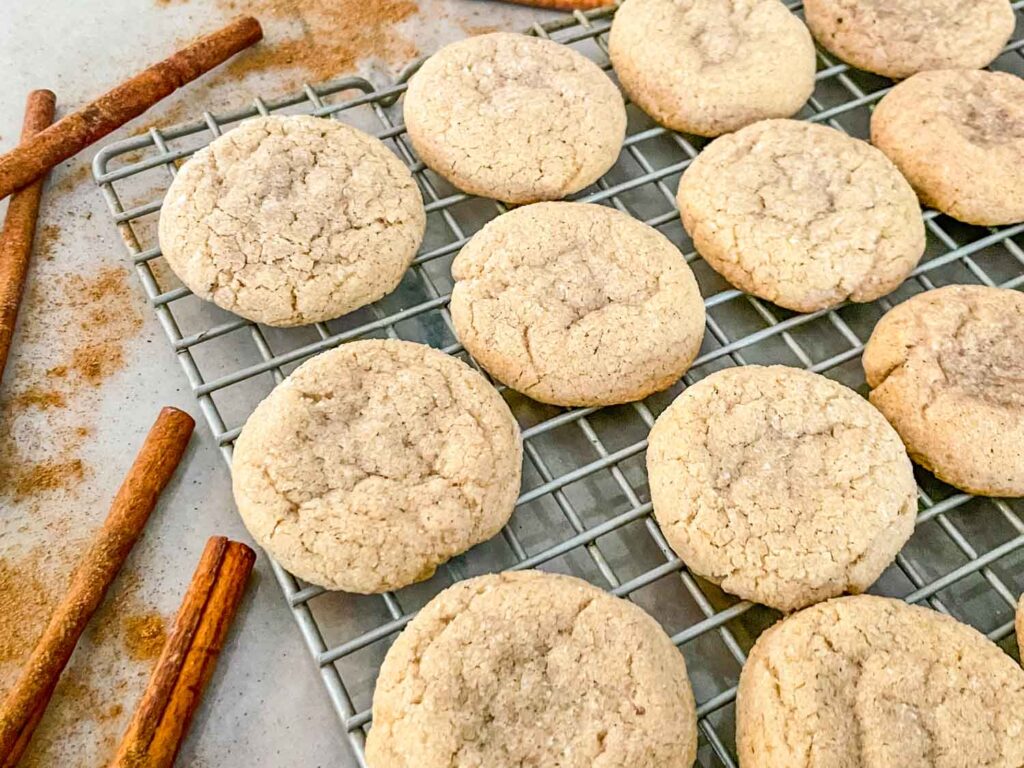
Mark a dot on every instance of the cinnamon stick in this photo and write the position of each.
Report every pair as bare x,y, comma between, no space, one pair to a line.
170,700
73,133
149,474
20,227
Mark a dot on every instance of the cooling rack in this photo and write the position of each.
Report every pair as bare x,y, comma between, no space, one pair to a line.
585,507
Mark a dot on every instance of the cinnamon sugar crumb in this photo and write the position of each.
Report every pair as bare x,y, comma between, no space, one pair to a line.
47,237
97,362
71,178
38,397
30,479
24,605
144,635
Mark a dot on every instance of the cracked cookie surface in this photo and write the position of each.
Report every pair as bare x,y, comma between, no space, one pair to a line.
374,463
898,38
577,304
946,368
532,669
871,682
292,220
782,486
802,215
712,66
974,121
514,117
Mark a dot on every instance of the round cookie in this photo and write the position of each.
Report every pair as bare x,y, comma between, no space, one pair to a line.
866,682
802,215
292,220
514,117
974,121
577,304
712,66
898,38
782,486
374,463
946,367
532,669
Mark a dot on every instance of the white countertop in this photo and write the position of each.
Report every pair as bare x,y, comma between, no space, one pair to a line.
85,313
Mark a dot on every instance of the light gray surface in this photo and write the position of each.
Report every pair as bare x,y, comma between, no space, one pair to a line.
266,705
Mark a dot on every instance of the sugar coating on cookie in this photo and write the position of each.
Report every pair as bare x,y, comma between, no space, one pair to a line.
866,681
577,304
973,120
780,485
375,462
292,220
946,368
514,117
532,669
802,215
712,66
898,38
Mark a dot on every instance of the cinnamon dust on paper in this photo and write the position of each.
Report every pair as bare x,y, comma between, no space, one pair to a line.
324,38
47,238
144,635
25,598
73,176
73,333
304,41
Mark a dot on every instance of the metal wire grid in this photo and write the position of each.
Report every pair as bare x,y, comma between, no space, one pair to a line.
585,508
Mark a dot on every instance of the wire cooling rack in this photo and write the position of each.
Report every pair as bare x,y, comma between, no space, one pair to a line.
585,507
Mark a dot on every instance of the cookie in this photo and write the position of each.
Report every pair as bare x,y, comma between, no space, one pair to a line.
577,304
514,117
974,121
532,669
374,463
898,38
782,486
802,215
866,682
292,220
946,367
712,66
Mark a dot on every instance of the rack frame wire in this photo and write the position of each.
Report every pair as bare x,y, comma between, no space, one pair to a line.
585,508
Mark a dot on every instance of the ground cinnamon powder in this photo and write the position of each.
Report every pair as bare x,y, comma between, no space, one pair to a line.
24,599
47,237
80,325
144,635
323,38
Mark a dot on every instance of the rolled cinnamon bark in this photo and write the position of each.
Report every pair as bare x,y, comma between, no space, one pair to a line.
161,721
73,133
149,474
20,227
